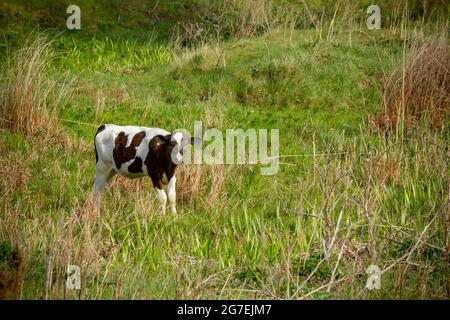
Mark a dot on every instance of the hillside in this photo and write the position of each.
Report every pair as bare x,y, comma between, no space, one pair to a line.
346,194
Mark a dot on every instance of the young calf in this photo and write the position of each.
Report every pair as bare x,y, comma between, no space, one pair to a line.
133,152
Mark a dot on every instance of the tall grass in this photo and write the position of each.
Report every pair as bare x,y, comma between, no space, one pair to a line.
419,89
221,20
28,96
377,203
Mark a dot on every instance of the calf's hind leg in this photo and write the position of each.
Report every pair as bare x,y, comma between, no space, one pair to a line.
103,175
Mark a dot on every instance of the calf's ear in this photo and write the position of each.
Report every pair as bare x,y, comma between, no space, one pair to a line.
167,138
195,140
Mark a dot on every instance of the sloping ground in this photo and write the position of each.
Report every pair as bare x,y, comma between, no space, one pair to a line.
346,199
279,77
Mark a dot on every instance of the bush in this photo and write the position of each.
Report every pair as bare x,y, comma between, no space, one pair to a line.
419,89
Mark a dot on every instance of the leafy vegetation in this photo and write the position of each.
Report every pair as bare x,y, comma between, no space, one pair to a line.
347,194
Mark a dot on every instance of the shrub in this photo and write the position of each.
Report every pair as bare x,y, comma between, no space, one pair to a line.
419,89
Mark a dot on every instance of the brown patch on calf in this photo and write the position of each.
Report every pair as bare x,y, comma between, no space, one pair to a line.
159,160
136,166
121,153
100,129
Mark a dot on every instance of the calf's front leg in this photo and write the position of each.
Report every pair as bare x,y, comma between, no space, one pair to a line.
171,194
162,198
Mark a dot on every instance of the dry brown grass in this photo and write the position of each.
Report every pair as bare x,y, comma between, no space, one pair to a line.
202,182
16,174
236,19
189,182
386,169
27,94
419,89
255,16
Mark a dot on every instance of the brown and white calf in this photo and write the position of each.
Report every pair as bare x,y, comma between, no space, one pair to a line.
133,152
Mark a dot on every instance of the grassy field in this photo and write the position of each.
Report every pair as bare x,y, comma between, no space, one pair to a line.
347,194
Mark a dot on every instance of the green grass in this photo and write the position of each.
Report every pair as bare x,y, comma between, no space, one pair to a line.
262,236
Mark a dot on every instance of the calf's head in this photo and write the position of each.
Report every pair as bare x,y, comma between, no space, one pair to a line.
179,141
173,145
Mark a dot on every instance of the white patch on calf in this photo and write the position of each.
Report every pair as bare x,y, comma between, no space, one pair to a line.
177,139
